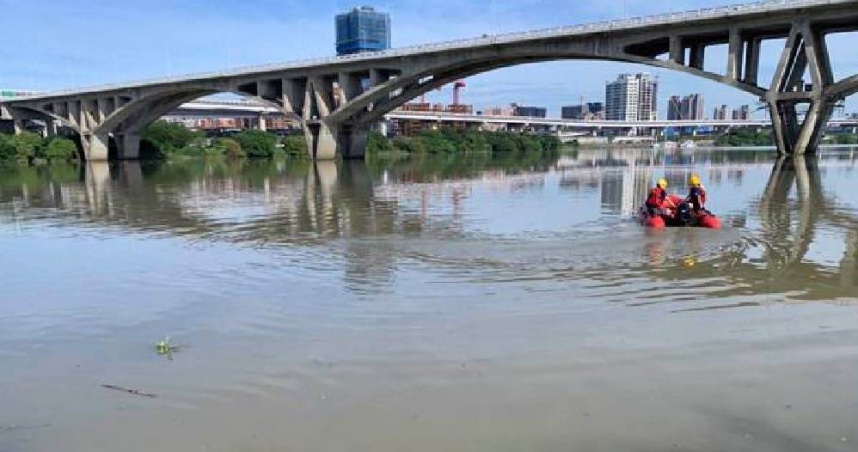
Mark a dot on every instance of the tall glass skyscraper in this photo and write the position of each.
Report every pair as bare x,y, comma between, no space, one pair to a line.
362,30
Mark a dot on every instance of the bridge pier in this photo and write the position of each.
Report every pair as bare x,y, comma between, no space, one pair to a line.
127,146
50,128
352,142
321,141
95,146
805,50
325,142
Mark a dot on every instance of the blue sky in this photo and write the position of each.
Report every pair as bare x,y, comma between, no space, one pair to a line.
52,44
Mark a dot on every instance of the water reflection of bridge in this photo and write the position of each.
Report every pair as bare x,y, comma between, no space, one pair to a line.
794,212
307,205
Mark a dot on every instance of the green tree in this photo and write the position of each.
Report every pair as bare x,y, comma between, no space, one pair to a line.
167,138
295,146
27,145
7,148
845,139
408,145
436,142
231,148
257,144
377,142
60,149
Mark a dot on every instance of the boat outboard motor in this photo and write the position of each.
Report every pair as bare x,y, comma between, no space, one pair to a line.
684,214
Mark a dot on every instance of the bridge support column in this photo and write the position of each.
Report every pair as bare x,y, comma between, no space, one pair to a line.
352,142
17,125
321,141
327,143
95,146
127,146
698,56
752,61
50,128
735,55
805,50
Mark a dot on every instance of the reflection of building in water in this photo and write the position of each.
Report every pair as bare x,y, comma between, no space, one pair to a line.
623,177
623,190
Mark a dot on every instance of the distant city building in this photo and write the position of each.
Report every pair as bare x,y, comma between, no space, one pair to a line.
499,111
362,30
596,109
529,112
274,122
632,97
692,107
573,112
588,111
720,113
438,108
688,108
742,113
674,108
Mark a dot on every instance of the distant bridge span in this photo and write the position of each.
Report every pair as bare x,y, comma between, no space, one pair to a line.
249,109
337,99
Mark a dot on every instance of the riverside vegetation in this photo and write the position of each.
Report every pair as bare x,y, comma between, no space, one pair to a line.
164,140
745,137
449,141
31,148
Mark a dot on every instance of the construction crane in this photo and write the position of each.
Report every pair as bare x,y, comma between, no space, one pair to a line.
457,91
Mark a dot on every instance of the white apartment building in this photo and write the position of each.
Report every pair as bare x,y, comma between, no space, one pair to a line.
632,97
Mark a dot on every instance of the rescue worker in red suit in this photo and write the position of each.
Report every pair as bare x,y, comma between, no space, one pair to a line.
657,198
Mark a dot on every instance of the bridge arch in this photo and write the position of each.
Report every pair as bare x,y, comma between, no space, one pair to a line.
375,103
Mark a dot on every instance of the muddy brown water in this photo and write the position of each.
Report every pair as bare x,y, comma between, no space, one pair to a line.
441,303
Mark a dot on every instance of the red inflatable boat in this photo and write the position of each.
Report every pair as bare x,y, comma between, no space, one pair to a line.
681,216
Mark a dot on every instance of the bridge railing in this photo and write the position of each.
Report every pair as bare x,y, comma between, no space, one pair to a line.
613,25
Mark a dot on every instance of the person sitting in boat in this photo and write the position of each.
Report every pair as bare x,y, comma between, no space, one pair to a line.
657,198
696,194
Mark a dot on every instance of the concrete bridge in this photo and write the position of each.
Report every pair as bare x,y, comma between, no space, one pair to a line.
338,99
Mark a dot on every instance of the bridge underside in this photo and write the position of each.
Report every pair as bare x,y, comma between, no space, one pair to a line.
337,104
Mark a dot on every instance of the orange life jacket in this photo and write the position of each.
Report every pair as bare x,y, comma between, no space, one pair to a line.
656,198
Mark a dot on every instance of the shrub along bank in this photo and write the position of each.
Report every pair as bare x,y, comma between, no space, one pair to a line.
29,147
453,141
164,140
744,137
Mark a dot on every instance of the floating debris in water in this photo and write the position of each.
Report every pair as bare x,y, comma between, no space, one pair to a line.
166,348
130,391
16,427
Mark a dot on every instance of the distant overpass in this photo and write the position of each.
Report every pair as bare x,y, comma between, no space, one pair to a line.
240,108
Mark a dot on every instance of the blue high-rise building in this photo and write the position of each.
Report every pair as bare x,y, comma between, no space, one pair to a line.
362,30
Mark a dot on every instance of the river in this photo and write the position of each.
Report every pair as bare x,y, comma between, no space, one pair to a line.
462,303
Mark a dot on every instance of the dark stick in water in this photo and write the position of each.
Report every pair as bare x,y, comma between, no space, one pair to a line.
130,391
